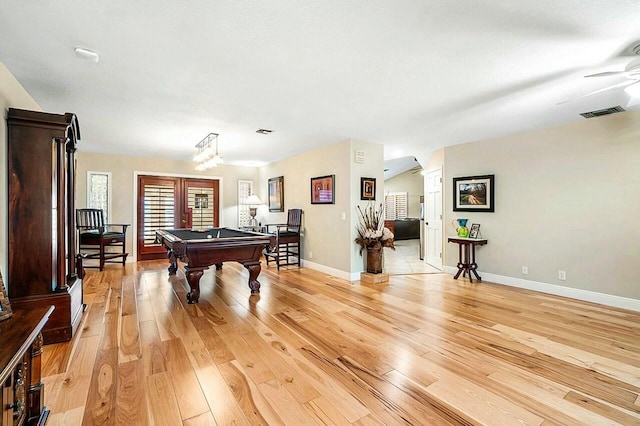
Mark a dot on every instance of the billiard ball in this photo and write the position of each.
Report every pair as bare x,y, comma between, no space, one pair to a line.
209,236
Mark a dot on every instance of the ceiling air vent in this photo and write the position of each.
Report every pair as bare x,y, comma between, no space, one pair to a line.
599,112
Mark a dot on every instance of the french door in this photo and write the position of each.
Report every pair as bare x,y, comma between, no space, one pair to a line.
171,203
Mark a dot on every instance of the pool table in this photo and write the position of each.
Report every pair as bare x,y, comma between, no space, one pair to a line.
201,249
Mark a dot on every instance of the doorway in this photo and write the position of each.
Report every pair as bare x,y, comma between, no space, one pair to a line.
167,202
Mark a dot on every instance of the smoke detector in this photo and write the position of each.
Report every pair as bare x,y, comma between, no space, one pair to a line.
86,54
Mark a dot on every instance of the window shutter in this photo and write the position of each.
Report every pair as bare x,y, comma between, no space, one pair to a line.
159,208
200,201
396,205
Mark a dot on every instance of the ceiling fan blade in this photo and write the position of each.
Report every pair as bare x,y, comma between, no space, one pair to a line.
606,74
604,89
595,92
629,71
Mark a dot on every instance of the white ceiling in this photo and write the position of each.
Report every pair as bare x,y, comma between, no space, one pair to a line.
414,75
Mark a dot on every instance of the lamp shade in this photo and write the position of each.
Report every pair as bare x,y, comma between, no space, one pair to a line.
252,200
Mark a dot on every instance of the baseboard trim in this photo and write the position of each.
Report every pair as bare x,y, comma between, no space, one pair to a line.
557,290
330,271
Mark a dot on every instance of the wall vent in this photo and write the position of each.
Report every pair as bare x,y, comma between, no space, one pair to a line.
599,112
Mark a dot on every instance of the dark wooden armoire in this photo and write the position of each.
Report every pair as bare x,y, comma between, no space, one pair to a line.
43,265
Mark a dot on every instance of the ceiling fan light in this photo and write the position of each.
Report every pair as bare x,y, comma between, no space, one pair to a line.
633,90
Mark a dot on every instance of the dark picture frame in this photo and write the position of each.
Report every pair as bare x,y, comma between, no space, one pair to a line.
474,193
323,190
276,194
474,231
367,188
5,306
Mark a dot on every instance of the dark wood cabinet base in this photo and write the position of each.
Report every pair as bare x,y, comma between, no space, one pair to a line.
66,317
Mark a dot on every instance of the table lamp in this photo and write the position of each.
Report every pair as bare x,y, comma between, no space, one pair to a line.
253,202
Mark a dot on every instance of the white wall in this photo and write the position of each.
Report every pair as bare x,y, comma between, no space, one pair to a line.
12,95
566,198
373,167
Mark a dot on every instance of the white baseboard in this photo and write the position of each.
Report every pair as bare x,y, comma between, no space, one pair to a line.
328,270
574,293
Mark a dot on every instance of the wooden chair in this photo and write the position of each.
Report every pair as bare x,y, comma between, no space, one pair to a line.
286,240
95,236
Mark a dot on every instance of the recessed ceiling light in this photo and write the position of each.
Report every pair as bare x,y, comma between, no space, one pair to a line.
264,131
86,54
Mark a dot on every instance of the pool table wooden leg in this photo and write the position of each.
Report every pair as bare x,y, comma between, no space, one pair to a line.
173,262
254,270
193,278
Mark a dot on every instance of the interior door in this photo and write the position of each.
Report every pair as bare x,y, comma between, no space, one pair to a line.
433,218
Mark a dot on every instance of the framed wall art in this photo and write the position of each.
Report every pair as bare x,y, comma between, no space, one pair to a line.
473,194
367,188
276,194
323,190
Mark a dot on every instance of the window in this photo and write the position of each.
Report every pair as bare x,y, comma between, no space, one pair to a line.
395,206
99,192
245,188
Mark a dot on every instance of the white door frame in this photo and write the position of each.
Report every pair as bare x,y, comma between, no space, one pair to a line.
433,218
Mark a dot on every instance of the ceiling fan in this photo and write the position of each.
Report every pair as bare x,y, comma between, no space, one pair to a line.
631,72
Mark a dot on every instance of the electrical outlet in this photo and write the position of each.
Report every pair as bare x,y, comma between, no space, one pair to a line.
525,270
310,255
562,275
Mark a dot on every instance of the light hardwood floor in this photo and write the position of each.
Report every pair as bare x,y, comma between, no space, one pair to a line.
405,259
314,349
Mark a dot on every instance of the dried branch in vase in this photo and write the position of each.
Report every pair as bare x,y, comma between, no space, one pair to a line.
371,230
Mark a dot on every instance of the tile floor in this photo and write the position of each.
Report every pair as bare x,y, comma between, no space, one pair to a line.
405,259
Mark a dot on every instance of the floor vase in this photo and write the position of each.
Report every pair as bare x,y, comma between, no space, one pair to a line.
374,260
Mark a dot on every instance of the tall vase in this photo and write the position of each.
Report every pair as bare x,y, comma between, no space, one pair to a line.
374,260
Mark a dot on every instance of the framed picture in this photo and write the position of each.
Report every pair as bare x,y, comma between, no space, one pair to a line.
473,194
367,188
5,306
474,232
276,194
322,190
